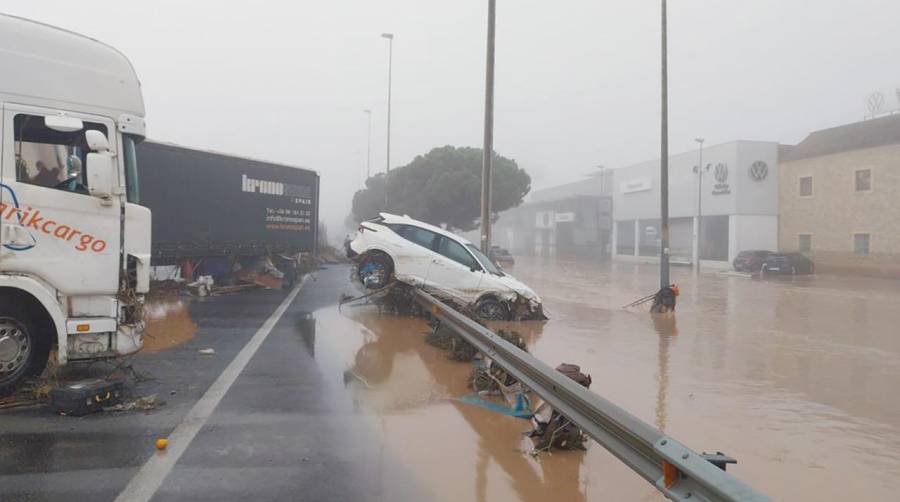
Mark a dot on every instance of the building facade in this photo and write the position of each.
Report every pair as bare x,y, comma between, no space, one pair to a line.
738,204
573,220
840,197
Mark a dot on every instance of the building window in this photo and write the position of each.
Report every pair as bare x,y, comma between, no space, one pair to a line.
806,189
863,180
804,242
861,243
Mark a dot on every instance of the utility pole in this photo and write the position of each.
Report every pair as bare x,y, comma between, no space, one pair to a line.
486,170
664,164
369,146
387,171
699,171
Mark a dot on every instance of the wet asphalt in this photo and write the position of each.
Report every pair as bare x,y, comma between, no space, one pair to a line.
279,433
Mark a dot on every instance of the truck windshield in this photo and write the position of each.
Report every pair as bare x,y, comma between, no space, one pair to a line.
485,261
132,188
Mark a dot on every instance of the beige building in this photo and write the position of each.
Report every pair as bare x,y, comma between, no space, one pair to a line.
839,197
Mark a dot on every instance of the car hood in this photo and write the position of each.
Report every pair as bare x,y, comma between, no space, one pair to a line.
518,286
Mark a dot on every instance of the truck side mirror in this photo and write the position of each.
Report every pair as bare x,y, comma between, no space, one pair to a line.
101,167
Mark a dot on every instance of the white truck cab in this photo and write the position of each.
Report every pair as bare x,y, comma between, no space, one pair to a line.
74,243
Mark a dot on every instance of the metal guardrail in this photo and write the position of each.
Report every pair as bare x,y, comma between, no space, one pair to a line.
674,469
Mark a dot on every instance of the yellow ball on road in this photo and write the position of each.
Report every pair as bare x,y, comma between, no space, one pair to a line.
161,444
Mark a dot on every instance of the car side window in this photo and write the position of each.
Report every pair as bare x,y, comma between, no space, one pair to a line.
456,252
420,236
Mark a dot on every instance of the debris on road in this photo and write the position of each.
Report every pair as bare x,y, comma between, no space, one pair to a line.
207,352
551,429
665,299
86,396
162,444
145,403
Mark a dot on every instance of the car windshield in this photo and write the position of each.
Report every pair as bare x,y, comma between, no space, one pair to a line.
485,261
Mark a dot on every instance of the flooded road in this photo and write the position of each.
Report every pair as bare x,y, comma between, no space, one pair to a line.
793,377
169,323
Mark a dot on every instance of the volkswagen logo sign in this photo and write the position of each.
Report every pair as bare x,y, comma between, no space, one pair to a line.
758,170
721,172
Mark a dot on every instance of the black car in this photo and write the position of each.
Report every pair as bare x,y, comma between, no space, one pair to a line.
501,257
787,263
750,261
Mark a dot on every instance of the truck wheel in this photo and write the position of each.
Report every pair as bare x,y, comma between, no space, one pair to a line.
491,309
23,351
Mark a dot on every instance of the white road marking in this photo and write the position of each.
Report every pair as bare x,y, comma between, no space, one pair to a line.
152,474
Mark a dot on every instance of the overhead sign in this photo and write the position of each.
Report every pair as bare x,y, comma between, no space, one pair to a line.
636,185
564,217
758,170
721,174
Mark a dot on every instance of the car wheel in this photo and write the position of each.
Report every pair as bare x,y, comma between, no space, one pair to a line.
23,352
375,270
491,309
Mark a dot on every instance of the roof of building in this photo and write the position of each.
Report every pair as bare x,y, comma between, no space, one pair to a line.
49,64
596,185
856,136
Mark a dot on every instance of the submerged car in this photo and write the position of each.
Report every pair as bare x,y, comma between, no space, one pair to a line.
787,263
501,256
750,261
398,248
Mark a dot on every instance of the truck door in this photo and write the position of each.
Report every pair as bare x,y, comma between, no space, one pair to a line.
52,227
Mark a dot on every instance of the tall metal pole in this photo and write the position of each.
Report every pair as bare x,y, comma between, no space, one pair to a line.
390,37
387,171
664,164
699,201
369,146
486,169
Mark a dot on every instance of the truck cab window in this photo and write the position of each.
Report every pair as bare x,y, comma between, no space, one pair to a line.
132,188
49,158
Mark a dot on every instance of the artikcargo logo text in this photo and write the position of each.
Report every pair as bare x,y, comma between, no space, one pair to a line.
31,219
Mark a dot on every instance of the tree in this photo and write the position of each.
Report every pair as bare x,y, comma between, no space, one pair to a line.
443,187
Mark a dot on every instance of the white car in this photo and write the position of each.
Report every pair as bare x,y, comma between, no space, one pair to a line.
400,248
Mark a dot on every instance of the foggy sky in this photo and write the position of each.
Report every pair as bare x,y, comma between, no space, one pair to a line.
577,82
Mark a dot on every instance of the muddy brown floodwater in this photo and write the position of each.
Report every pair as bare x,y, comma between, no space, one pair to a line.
796,378
169,323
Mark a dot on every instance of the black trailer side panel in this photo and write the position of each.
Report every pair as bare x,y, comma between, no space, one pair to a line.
211,204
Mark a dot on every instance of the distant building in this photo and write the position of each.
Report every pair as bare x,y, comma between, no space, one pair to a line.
739,204
568,221
840,197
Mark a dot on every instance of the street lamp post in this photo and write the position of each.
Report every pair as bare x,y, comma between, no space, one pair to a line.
664,161
486,168
369,145
699,170
387,171
390,37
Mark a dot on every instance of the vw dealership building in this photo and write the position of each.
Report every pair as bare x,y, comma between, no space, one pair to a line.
737,192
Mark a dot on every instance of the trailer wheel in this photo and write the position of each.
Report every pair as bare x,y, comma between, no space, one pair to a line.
23,351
